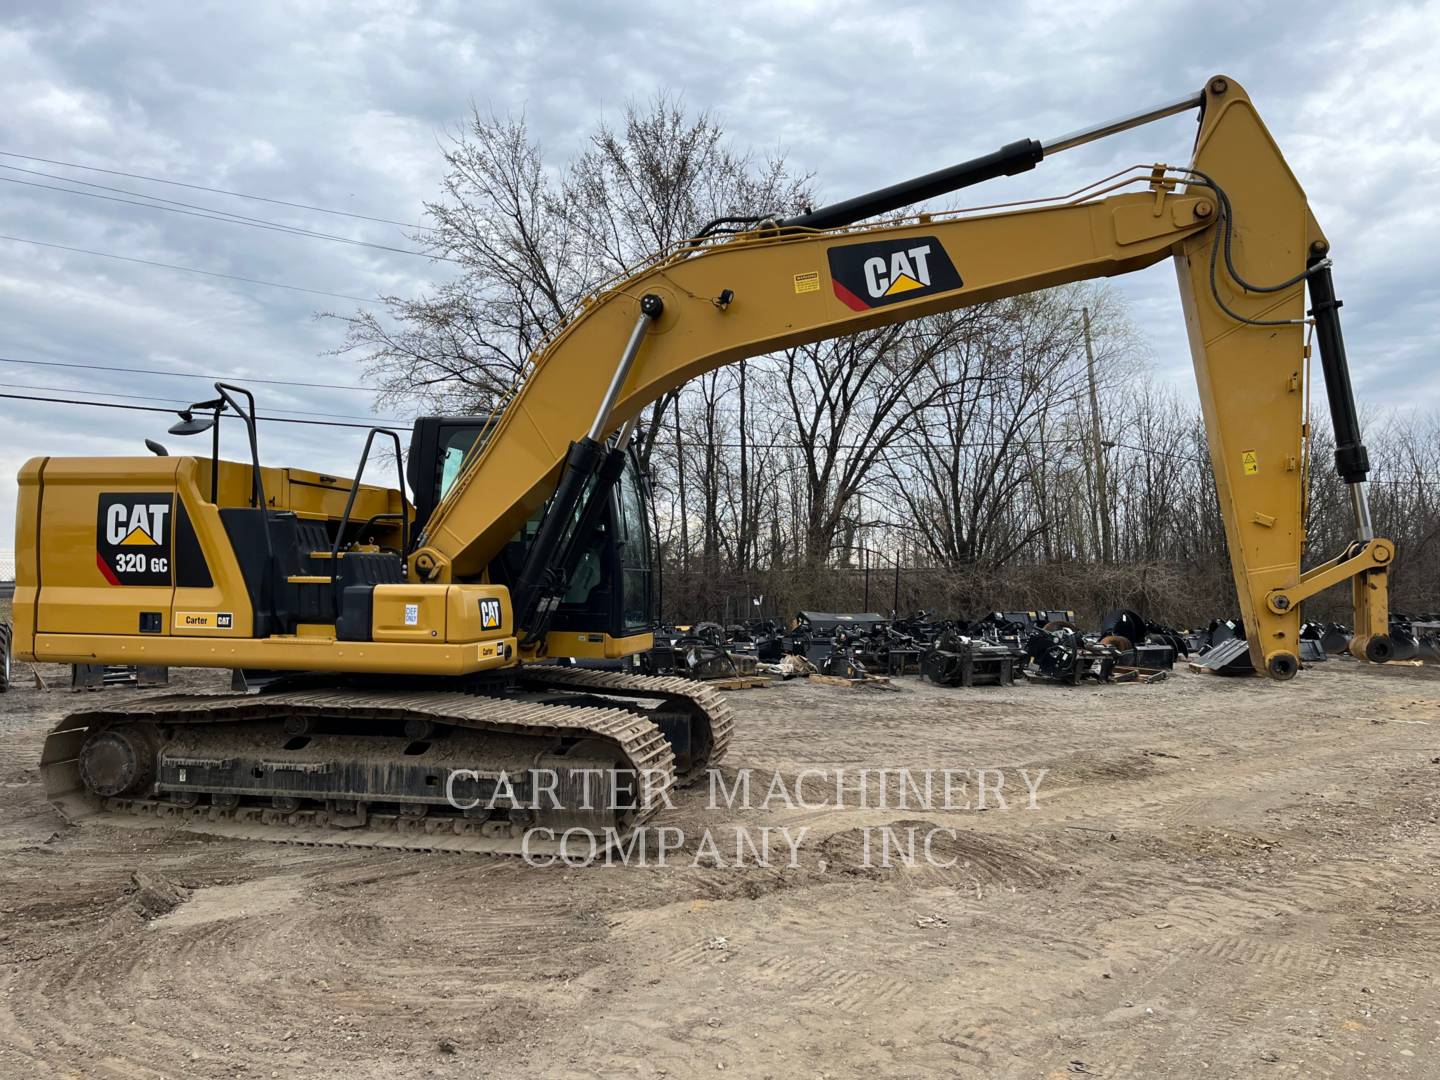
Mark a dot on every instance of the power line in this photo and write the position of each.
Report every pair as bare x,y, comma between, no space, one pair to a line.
157,409
215,190
143,397
151,397
232,219
209,216
1150,451
186,374
208,210
1060,441
899,447
192,270
401,429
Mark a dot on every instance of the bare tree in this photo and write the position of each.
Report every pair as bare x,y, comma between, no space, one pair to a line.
532,240
850,400
973,452
520,274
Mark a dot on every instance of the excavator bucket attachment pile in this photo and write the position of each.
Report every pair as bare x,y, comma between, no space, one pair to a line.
958,660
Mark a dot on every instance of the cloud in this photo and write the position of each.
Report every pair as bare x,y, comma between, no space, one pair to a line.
342,105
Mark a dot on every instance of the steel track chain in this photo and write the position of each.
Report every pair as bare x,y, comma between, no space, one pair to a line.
704,700
642,743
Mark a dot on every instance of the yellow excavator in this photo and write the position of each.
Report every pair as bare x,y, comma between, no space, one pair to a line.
406,648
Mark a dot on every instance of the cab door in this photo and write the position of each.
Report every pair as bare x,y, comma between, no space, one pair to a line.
634,611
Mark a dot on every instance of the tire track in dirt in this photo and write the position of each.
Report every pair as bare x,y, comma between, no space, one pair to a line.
1211,925
1215,920
290,947
1220,946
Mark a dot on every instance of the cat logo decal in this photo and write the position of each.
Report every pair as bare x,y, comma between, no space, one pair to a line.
872,275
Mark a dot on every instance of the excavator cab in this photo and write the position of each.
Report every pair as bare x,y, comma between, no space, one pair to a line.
439,447
607,603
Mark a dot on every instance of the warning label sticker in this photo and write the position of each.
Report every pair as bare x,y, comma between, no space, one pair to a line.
807,282
1250,462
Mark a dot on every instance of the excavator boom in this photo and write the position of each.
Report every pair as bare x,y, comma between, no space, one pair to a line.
1234,220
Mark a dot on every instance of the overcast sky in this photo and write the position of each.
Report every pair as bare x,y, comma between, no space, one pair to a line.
343,105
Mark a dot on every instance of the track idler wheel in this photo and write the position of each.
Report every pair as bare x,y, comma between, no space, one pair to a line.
6,643
1282,665
120,760
1378,648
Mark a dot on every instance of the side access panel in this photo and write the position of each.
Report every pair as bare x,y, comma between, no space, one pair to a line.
120,547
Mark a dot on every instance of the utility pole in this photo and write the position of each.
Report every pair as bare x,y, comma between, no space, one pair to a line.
744,544
1107,553
684,525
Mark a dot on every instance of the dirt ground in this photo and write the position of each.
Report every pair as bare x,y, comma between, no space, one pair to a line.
1221,877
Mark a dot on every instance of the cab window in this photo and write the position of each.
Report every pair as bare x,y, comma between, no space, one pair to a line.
455,444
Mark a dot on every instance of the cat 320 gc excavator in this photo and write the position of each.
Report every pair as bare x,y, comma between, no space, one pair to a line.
411,703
